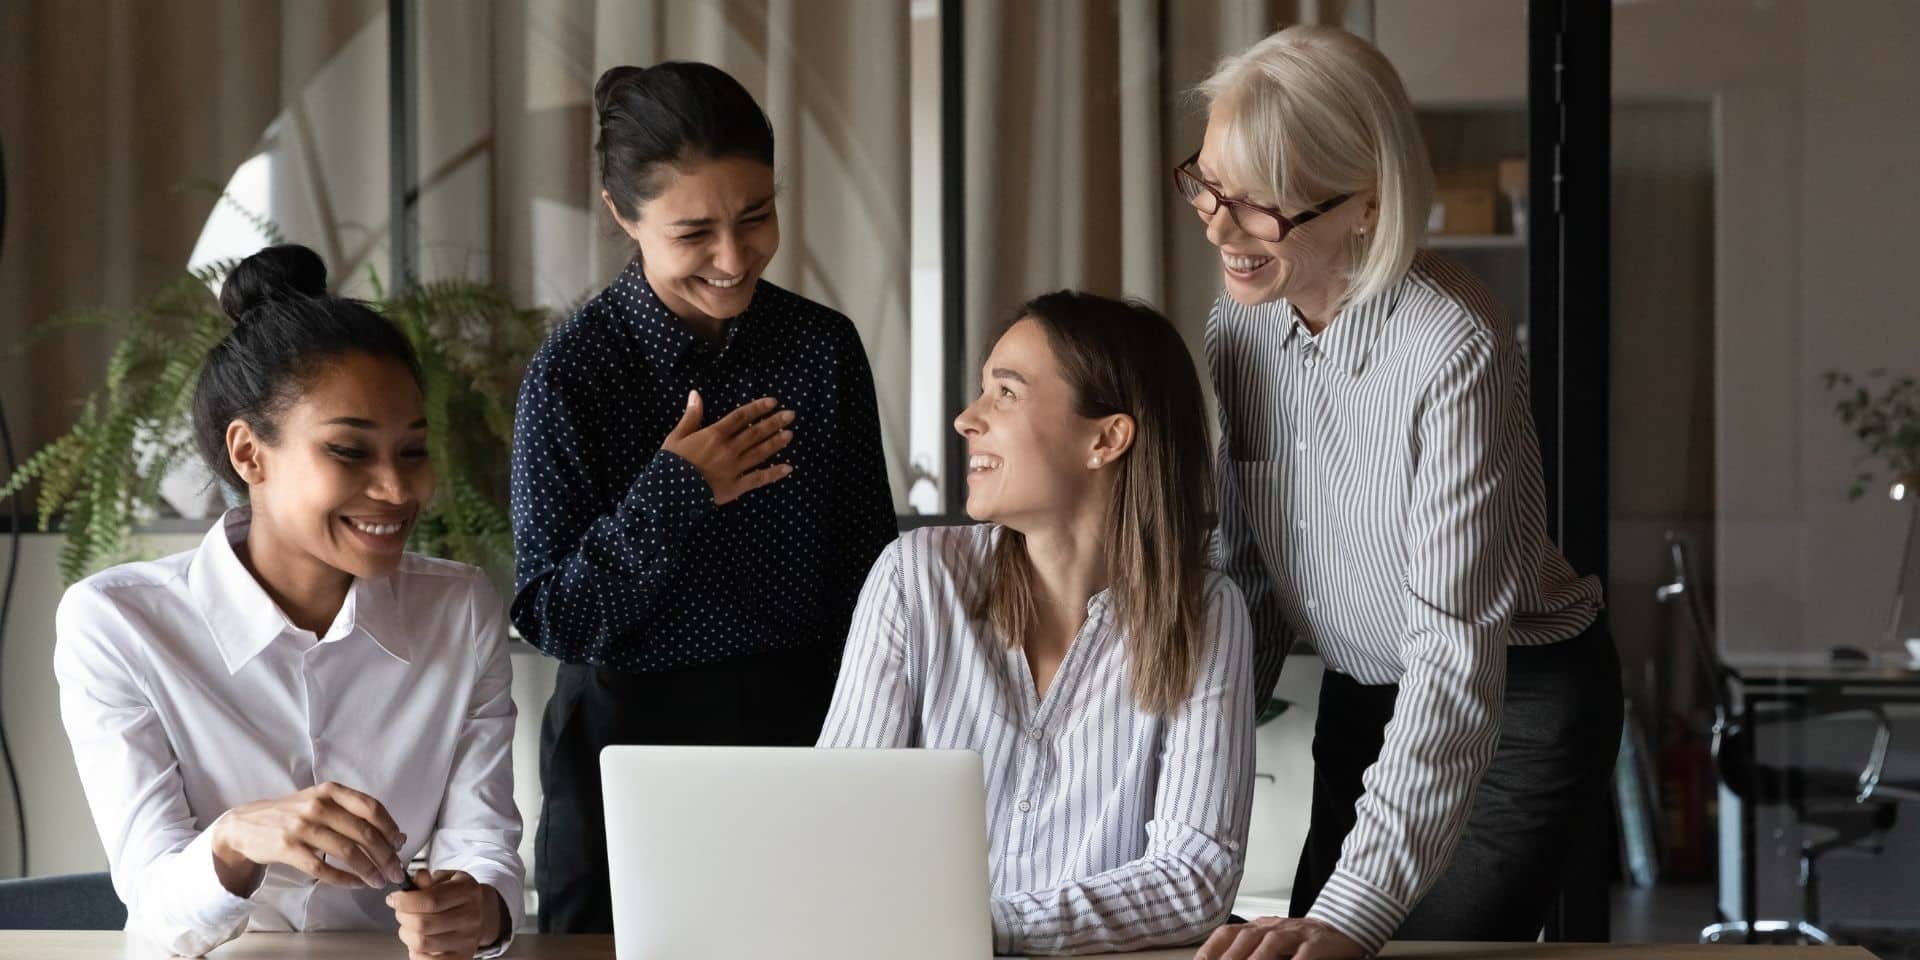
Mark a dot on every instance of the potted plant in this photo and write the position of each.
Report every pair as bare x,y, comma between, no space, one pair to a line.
1886,423
101,480
1882,411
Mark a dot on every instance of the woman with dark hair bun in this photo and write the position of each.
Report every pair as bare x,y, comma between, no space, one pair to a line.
698,484
300,701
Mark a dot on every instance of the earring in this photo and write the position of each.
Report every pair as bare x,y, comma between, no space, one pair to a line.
1095,462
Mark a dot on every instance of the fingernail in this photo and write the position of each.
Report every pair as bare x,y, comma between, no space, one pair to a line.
693,397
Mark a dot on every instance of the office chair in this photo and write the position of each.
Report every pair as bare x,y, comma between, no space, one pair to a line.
1856,810
76,901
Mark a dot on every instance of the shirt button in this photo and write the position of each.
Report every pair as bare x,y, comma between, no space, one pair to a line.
1025,806
1034,735
1300,445
1311,604
1309,361
1301,525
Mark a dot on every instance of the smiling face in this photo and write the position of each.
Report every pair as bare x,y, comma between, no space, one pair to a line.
1311,260
344,481
706,237
1027,449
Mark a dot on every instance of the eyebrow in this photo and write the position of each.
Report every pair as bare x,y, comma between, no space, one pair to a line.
708,221
1002,373
359,423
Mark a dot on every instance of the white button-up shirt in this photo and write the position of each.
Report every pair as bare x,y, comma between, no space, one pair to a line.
186,692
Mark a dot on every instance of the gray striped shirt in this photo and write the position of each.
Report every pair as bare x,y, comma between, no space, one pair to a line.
1110,829
1380,495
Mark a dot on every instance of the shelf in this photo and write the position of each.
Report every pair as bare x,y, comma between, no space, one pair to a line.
1489,241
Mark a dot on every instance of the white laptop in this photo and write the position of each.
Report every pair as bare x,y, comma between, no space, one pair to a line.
796,853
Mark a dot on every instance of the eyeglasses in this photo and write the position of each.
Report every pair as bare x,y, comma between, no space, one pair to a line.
1261,223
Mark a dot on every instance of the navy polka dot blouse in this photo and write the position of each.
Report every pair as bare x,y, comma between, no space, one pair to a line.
623,559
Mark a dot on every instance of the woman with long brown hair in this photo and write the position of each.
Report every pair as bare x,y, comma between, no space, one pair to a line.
1075,639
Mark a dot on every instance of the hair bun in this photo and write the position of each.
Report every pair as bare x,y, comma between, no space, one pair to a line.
613,77
285,272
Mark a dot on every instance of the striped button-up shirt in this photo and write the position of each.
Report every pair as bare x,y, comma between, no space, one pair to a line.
1380,495
1109,828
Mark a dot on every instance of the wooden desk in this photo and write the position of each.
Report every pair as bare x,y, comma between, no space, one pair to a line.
55,945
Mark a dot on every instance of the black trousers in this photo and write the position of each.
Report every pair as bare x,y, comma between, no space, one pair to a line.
772,699
1546,788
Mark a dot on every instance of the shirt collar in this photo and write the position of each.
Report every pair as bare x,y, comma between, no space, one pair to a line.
244,620
667,339
1349,340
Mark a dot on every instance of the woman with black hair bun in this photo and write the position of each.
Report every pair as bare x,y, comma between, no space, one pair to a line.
269,727
698,484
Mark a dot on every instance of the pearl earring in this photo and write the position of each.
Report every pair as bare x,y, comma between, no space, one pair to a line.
1095,462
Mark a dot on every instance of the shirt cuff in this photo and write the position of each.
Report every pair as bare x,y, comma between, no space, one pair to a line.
670,491
507,884
209,913
1359,910
1008,932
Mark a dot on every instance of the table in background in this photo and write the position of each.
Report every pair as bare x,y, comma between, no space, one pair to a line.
1797,680
60,945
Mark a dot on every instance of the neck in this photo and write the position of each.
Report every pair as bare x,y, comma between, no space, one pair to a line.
1315,307
1069,563
690,317
309,592
1316,302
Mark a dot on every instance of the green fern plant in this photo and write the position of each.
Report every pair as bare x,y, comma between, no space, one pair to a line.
100,481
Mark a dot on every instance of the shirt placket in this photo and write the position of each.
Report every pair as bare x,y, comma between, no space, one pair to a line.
314,695
1303,479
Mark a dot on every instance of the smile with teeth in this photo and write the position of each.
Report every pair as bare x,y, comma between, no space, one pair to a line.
376,529
982,462
1240,264
724,284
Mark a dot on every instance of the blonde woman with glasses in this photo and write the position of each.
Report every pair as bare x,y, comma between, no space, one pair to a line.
1381,498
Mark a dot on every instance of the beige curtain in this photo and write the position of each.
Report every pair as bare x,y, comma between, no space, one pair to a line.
510,190
123,101
1077,112
111,111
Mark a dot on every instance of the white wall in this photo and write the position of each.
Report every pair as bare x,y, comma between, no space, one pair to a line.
61,838
1816,217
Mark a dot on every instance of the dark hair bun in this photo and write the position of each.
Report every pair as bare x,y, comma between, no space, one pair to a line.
603,87
285,272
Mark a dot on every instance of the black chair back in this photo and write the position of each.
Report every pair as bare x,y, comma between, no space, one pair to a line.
75,901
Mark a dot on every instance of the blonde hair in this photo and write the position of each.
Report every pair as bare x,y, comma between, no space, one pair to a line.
1125,358
1317,112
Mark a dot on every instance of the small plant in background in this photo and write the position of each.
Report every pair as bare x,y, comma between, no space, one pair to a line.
102,479
1882,411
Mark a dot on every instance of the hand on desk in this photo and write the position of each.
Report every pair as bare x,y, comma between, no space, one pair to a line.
300,830
1270,938
449,915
